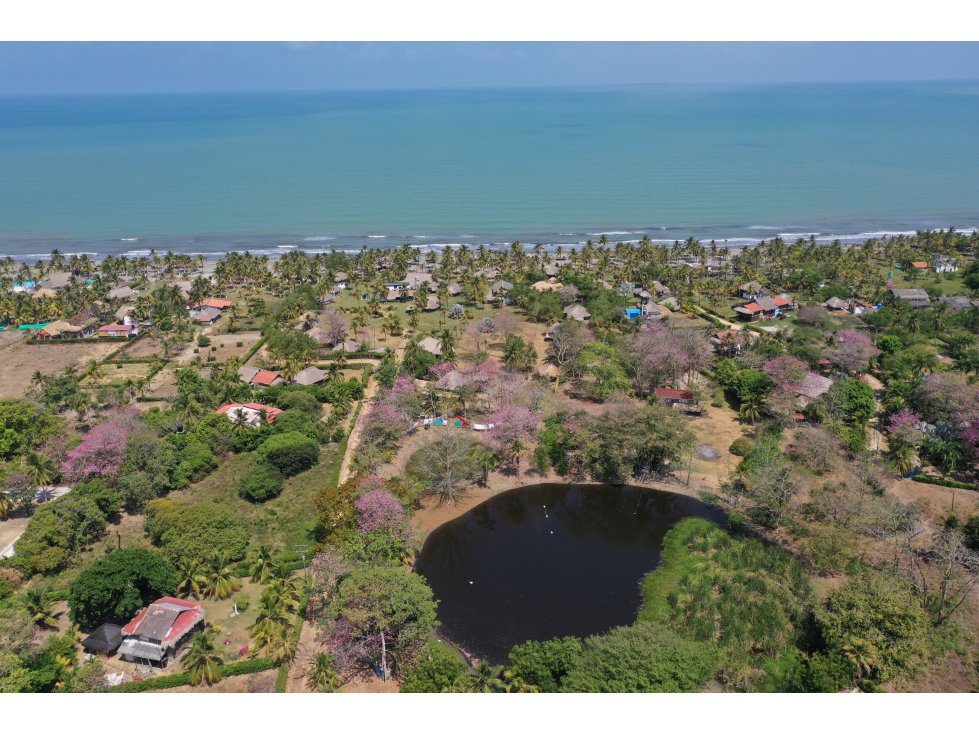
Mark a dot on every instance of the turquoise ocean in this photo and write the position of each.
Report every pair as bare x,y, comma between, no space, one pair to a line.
269,172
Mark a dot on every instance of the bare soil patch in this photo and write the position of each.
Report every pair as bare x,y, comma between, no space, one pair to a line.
19,360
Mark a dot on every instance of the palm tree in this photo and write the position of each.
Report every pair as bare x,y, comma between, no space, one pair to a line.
516,450
751,410
262,565
903,458
322,677
203,661
859,653
191,580
41,608
222,581
484,678
40,469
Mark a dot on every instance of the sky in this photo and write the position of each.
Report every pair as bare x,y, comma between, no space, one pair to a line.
85,68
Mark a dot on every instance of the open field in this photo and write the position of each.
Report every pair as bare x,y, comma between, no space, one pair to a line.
118,373
223,347
19,361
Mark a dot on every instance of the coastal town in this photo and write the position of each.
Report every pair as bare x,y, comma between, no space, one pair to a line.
221,474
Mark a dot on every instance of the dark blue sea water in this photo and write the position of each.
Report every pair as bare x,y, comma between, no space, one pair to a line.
211,173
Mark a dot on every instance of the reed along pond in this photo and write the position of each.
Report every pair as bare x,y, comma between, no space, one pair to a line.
548,560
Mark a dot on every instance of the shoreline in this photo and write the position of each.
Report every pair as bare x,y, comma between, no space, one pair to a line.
433,513
214,247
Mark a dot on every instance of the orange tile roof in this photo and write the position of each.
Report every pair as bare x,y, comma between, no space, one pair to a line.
265,377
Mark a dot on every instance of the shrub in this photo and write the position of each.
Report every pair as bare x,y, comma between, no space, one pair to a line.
641,659
56,532
828,550
241,600
971,532
195,531
742,446
290,452
261,484
436,667
302,401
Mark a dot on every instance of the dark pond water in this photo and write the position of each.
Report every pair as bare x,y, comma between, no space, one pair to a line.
548,560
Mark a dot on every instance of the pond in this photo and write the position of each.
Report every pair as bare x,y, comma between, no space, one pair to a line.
546,561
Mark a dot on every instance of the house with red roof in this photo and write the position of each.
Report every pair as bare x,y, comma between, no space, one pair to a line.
250,414
764,307
221,304
156,635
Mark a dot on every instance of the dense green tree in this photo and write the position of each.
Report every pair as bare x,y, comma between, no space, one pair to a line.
118,585
545,664
850,400
878,623
57,532
615,445
388,611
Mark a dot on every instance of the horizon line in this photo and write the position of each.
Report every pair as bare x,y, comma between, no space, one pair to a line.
488,87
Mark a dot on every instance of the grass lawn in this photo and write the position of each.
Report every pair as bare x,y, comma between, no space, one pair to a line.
280,523
428,321
949,284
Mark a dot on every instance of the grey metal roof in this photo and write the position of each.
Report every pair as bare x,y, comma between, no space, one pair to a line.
140,649
158,621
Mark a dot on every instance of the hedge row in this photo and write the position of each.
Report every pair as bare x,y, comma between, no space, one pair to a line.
159,683
89,340
925,479
130,360
129,342
251,352
363,354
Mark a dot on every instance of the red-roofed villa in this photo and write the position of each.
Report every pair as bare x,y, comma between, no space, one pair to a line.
157,633
250,413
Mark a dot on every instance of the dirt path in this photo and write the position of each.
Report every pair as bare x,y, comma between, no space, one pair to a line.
729,324
10,532
369,392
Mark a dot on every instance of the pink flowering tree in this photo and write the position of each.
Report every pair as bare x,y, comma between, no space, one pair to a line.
513,425
441,370
853,351
943,395
101,452
379,510
787,371
902,429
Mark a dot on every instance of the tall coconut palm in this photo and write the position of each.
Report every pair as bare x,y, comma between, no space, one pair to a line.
222,580
261,565
41,469
203,661
191,579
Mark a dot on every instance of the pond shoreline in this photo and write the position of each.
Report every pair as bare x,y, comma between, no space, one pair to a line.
434,513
